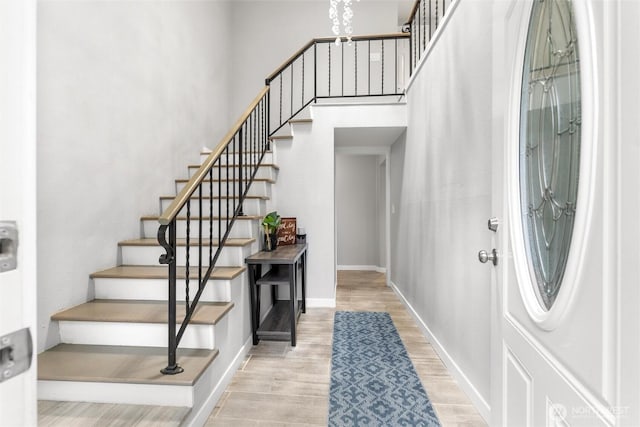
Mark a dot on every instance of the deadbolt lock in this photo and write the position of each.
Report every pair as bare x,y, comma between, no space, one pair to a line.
8,246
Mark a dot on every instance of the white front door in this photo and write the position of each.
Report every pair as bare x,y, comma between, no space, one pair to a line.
17,206
566,352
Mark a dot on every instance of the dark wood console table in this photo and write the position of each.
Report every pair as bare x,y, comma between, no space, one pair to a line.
285,262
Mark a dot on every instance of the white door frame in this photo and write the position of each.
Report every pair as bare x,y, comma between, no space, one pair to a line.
18,397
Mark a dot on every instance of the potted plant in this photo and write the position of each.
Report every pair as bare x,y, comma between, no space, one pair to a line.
270,224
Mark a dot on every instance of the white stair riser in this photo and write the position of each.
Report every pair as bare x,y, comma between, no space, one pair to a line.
249,207
156,289
133,394
264,172
258,188
241,229
230,256
233,158
133,334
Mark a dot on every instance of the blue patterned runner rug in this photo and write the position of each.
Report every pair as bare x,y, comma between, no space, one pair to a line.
373,382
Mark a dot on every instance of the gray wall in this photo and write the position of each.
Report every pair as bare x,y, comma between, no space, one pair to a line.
358,231
128,93
440,175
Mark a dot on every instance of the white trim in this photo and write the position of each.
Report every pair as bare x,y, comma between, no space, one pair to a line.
100,392
434,39
361,268
200,418
465,383
320,302
364,151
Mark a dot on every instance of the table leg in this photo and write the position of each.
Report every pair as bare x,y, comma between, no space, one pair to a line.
303,260
255,271
293,299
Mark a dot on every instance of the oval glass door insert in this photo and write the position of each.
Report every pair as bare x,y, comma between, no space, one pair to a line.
550,121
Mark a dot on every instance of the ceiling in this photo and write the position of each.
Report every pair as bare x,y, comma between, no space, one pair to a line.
366,137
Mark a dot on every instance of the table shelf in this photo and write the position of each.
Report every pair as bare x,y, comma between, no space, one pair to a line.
277,325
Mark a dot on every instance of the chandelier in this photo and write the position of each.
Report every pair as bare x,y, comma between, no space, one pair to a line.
347,16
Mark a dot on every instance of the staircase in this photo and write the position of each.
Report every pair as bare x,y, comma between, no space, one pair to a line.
113,347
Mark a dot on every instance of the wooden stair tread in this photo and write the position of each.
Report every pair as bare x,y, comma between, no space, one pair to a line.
261,165
121,364
183,242
277,137
267,180
135,311
301,121
195,197
161,272
221,197
204,218
206,153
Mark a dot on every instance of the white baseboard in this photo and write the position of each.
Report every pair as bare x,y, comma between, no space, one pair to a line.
362,268
321,302
200,418
467,386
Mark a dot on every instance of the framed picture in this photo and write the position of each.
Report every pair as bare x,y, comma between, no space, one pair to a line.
287,232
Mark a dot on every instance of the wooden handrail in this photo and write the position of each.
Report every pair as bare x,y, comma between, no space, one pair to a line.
185,194
300,51
413,12
286,63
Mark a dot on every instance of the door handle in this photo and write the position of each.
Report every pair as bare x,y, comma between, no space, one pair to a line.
484,256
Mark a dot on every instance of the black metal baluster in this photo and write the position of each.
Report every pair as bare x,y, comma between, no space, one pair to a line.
200,234
211,212
233,180
436,27
430,19
411,46
280,122
267,127
254,158
187,272
395,74
355,50
329,68
220,198
169,258
240,171
227,182
419,30
382,67
369,67
424,18
342,69
315,71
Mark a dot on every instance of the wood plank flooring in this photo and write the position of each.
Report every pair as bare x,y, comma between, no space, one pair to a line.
280,385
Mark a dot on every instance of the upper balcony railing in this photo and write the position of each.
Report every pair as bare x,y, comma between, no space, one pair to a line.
426,16
367,66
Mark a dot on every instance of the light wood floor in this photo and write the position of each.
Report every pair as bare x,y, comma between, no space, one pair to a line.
280,385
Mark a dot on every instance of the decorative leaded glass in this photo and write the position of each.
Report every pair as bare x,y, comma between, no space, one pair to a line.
549,143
